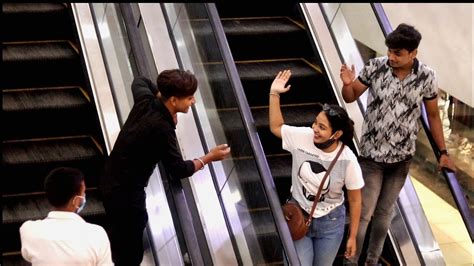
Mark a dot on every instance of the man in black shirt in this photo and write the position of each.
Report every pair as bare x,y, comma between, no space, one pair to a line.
147,137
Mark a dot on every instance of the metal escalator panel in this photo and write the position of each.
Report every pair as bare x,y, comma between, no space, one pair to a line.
49,116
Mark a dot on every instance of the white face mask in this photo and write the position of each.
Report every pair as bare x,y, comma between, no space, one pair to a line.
83,204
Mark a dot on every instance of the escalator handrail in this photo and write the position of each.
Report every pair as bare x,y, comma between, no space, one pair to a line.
251,131
456,190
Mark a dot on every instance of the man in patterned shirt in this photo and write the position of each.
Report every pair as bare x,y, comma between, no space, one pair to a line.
398,84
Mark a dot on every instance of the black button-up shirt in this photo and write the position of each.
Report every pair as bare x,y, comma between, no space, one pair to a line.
147,137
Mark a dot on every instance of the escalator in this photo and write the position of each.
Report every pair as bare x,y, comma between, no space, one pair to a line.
49,116
264,41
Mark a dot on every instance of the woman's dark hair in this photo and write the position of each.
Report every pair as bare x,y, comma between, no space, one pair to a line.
176,82
338,120
403,37
62,184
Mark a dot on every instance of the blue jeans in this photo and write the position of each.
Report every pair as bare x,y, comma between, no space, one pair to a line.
321,243
383,183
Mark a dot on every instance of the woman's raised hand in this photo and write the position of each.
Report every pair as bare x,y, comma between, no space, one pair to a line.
278,85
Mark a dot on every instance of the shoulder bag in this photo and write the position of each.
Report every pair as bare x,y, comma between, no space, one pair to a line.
293,213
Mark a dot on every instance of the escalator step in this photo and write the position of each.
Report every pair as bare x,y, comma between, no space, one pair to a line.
43,98
26,163
48,150
257,38
40,64
14,259
238,10
18,209
35,21
249,177
47,112
307,82
295,115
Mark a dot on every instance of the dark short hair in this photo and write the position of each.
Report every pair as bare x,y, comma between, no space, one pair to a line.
176,82
338,120
403,37
62,184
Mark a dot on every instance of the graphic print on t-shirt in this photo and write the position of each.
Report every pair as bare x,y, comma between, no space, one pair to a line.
311,174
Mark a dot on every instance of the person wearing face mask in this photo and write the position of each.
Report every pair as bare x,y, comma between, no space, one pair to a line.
313,149
64,237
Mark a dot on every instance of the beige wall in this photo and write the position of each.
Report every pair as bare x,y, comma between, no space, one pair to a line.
447,42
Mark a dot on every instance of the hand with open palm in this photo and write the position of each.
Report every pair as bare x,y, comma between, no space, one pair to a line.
278,85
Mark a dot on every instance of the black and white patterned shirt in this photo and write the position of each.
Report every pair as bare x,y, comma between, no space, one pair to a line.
393,108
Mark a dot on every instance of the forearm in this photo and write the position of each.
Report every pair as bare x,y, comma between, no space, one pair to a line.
355,203
436,129
348,93
275,115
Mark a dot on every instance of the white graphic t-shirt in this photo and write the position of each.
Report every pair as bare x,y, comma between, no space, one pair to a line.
309,167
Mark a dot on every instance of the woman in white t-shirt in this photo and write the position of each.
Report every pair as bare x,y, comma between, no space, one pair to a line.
313,148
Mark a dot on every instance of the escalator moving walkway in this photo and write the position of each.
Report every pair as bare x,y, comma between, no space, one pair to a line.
49,116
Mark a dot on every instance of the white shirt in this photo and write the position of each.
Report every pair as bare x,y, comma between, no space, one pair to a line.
309,167
64,238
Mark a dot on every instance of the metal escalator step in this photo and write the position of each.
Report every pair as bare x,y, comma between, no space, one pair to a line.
307,82
260,26
38,51
32,8
43,98
49,150
35,21
257,38
236,9
250,26
14,258
248,176
47,112
27,162
40,64
267,69
295,115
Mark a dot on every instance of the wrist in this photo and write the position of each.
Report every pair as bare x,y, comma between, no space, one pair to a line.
202,163
275,93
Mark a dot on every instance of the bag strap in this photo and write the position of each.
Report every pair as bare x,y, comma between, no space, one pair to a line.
316,199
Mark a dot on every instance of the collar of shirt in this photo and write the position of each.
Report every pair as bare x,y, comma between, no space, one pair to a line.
414,67
64,215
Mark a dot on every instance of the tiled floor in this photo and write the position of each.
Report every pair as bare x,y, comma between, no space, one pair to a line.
447,226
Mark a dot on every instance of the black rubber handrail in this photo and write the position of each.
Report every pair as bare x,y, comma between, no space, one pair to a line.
249,124
457,191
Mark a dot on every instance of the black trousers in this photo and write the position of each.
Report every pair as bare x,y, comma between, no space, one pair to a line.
127,218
